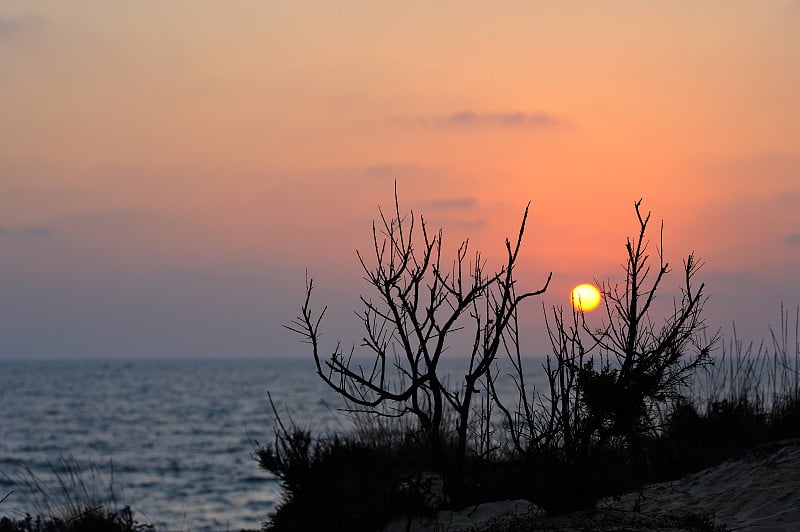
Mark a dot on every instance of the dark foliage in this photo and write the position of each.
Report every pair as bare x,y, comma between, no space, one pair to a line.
622,408
383,469
79,499
96,520
608,383
354,482
350,484
748,398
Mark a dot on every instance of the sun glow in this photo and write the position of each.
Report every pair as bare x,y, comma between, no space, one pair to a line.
585,297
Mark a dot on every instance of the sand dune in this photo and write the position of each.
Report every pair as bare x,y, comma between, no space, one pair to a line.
758,491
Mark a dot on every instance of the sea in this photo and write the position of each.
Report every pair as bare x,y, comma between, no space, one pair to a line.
175,437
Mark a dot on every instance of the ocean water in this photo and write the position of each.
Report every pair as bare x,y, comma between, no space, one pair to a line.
178,433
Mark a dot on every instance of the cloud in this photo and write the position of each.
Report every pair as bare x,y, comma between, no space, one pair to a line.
38,231
388,170
12,28
33,231
735,277
9,28
518,119
785,199
468,225
451,204
453,213
106,218
762,169
744,190
411,177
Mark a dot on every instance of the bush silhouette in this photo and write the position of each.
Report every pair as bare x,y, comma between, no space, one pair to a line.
351,482
83,501
606,383
420,303
617,411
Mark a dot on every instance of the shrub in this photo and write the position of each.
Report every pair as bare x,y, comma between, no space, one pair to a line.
352,483
81,502
607,383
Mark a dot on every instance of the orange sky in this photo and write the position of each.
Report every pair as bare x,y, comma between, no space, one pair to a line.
168,170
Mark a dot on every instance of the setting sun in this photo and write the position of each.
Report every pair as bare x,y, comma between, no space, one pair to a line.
585,297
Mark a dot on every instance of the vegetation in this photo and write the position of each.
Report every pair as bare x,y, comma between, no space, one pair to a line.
82,501
610,389
609,386
751,396
421,303
636,400
353,482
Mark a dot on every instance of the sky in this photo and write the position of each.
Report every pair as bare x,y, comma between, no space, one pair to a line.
170,170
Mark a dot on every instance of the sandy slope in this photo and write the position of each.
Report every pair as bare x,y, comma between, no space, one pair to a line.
759,491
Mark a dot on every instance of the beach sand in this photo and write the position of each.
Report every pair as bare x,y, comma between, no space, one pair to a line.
760,491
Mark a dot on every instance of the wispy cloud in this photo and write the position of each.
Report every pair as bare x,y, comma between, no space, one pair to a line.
33,231
105,218
451,204
469,225
463,213
787,198
405,173
793,239
12,28
766,168
38,231
518,119
389,170
9,28
728,277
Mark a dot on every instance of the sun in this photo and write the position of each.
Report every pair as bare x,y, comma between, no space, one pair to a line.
585,297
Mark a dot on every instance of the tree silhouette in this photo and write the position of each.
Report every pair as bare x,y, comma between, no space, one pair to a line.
606,382
419,302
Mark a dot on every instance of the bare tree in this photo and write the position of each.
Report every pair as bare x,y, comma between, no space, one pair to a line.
419,302
605,383
651,362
